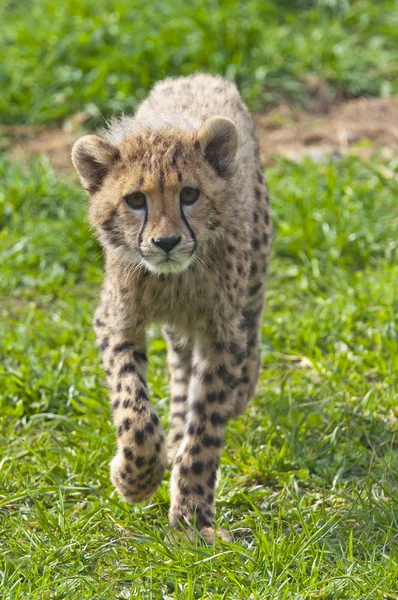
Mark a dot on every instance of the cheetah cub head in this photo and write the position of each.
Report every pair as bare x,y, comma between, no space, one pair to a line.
158,193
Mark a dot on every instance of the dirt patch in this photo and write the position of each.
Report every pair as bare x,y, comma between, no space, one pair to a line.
359,127
24,142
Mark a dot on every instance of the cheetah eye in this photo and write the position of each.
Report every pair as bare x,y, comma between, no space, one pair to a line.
136,200
189,195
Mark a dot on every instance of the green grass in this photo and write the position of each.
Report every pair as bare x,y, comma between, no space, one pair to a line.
309,475
104,55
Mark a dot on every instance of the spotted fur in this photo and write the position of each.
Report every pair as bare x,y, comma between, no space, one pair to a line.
207,292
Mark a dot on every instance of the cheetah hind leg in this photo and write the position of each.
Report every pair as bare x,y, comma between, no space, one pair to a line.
251,366
250,374
179,352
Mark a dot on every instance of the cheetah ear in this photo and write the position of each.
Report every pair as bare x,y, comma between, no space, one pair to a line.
92,158
218,138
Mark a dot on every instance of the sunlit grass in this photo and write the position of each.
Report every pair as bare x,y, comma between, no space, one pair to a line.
308,482
104,55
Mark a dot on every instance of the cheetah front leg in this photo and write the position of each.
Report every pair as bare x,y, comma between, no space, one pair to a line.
179,356
216,373
138,467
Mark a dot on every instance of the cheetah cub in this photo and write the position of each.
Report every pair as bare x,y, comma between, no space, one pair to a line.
178,198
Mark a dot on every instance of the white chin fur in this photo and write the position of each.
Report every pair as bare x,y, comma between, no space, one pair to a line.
167,266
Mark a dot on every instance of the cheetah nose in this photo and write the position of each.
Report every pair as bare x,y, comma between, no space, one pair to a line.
167,243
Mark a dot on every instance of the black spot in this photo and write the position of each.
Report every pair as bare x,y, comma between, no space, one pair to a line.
140,356
141,395
123,347
184,489
155,419
220,346
253,269
210,498
115,404
127,368
181,414
104,344
119,387
210,463
207,377
184,470
196,429
99,323
139,461
152,460
127,424
158,446
119,431
194,450
197,467
222,372
198,407
251,318
255,244
128,469
145,473
254,289
227,377
178,437
126,403
179,399
149,428
237,352
212,479
199,489
139,437
217,419
128,453
209,440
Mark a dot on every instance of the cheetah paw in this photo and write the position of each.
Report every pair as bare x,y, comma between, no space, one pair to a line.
133,483
209,535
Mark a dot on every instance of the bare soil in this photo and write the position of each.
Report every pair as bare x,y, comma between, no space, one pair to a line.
362,127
